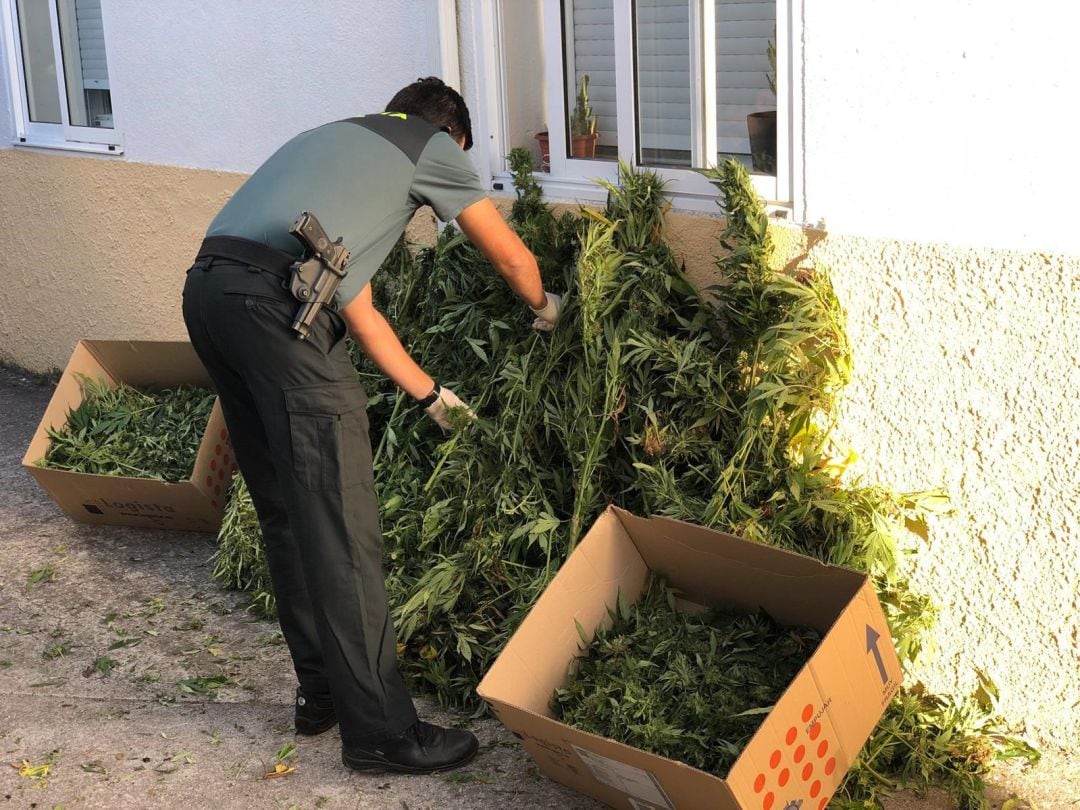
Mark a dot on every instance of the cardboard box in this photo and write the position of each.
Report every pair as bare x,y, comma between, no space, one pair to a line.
800,753
196,504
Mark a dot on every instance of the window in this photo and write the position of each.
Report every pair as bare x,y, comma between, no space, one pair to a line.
672,85
59,74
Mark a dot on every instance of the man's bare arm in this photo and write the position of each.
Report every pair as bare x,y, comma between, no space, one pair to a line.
379,342
486,229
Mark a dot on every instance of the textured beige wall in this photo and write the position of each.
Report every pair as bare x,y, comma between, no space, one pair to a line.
967,375
97,248
967,369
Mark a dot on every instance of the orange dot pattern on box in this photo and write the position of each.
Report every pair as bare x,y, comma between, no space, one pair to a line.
222,465
800,765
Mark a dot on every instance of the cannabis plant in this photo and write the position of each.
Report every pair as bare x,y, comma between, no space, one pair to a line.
693,688
130,432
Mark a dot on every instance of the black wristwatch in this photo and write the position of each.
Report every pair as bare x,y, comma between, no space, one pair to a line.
431,398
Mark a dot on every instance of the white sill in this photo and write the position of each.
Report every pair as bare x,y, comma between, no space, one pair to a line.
576,190
70,146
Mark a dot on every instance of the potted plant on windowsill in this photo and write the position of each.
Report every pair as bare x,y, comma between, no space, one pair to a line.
583,134
545,151
761,126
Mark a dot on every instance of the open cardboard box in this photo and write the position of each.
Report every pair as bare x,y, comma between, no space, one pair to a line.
196,504
799,754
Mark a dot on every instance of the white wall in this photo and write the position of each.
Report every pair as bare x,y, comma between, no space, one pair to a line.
943,121
929,120
219,84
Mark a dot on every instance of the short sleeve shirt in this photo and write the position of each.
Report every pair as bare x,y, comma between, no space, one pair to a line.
363,178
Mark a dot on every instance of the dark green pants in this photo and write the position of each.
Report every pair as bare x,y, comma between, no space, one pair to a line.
295,411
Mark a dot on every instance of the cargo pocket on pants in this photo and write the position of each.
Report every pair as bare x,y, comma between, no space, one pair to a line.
328,432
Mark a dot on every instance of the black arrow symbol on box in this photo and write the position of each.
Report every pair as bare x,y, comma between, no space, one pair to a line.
872,637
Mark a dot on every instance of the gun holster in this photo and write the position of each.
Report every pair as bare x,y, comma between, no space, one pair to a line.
313,281
303,276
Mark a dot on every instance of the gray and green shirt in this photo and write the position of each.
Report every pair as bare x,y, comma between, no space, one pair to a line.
363,178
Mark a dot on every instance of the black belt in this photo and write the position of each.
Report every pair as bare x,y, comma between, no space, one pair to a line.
246,251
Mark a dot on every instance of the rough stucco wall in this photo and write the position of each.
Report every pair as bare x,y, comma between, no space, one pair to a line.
967,368
97,249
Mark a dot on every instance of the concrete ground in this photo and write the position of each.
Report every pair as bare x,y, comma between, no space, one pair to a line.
141,684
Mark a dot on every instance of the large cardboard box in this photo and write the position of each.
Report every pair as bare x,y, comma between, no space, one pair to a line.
801,751
196,504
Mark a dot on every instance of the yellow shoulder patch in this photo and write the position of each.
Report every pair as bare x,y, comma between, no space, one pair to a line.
402,116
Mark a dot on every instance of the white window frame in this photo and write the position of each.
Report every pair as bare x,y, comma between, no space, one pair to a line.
574,178
64,135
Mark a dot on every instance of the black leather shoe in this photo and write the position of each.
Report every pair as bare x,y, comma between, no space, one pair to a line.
421,748
314,715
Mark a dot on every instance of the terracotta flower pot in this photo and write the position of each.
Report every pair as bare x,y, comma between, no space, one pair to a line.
584,146
545,151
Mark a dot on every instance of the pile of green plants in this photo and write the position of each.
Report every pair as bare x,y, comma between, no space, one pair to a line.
712,407
239,562
690,687
130,432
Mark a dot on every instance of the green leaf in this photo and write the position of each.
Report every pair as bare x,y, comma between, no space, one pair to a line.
478,348
124,642
581,633
752,712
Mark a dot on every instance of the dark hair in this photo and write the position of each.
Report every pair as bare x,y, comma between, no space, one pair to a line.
438,104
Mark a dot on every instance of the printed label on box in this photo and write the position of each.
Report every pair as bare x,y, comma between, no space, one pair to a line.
636,782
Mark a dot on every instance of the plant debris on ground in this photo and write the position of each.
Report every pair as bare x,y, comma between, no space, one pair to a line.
711,406
130,432
690,687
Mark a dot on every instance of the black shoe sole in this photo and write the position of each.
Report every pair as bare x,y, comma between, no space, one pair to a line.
310,728
376,765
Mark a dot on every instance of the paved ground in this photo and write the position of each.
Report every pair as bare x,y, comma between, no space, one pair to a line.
108,669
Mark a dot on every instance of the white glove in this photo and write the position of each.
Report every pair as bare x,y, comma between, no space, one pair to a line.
548,315
439,410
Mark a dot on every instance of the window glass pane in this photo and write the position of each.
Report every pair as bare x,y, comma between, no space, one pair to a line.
590,73
745,76
522,49
39,61
85,69
663,81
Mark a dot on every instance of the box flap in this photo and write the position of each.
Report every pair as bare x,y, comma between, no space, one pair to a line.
535,660
215,464
857,671
67,395
118,500
150,363
617,774
791,759
719,569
